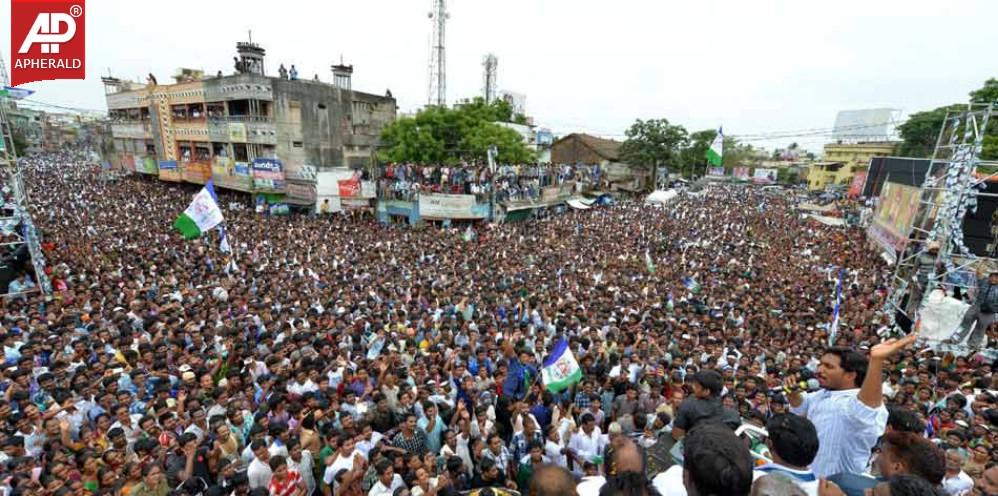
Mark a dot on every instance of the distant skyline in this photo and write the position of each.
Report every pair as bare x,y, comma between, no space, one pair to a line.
753,66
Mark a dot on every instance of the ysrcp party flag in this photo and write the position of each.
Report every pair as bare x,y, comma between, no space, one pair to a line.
202,215
560,369
716,150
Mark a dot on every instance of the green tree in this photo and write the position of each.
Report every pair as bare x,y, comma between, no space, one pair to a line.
654,142
440,135
988,94
920,131
694,155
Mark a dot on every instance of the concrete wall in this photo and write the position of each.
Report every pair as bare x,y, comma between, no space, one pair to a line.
324,126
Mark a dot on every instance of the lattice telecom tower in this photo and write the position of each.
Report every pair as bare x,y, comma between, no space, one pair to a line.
437,91
490,85
950,189
15,214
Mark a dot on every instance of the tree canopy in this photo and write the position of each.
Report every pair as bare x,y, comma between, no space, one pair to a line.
654,142
440,135
921,130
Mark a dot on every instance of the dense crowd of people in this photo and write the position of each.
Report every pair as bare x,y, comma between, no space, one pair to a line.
333,355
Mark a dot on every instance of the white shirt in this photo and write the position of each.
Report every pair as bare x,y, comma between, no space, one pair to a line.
587,446
847,430
804,479
379,489
590,486
259,474
552,450
958,486
304,468
670,482
341,462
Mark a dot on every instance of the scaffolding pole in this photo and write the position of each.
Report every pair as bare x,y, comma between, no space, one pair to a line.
950,188
14,180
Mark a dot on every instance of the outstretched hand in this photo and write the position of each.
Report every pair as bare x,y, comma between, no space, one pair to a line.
891,346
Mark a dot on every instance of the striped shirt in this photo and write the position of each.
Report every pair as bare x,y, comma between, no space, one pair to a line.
847,430
286,488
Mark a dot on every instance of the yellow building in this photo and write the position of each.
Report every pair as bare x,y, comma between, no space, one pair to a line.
843,160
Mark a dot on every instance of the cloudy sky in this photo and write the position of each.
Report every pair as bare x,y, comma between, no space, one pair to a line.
755,66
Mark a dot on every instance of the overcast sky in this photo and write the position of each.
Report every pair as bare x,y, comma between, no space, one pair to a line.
754,66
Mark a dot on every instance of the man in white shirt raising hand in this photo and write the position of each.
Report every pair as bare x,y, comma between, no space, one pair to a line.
848,411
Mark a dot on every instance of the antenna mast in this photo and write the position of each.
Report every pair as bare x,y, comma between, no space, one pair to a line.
437,92
489,77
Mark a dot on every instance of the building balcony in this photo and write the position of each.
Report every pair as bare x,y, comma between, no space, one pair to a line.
131,129
243,129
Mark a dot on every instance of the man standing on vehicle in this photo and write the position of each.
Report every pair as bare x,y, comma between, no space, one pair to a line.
848,411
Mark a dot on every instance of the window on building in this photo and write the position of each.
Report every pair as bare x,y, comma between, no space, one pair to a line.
215,110
202,152
219,150
239,152
184,151
297,144
196,111
179,112
150,148
238,108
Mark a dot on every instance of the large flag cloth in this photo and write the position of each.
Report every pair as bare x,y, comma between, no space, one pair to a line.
716,150
560,369
202,215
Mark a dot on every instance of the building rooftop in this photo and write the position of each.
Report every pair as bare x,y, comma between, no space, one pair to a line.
606,148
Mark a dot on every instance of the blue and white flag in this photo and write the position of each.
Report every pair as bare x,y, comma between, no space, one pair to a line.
691,284
834,329
560,369
223,246
17,93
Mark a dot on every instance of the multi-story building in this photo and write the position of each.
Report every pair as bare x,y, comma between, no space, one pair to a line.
27,126
842,161
248,131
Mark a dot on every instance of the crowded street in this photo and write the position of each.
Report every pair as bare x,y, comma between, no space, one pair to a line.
337,355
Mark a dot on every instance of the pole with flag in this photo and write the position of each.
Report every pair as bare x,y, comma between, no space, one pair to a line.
715,154
833,330
560,369
202,215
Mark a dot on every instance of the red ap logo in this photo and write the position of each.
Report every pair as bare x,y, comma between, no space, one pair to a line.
47,40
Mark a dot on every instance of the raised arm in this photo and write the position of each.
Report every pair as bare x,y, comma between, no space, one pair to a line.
871,393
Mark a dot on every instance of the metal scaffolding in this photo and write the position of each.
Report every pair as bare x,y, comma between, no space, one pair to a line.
935,248
16,214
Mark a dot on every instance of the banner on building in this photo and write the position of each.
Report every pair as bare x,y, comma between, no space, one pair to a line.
223,172
237,132
169,171
301,191
268,173
716,171
367,189
241,169
741,173
765,176
349,188
197,172
148,166
856,188
128,162
550,193
440,206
